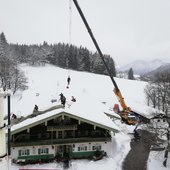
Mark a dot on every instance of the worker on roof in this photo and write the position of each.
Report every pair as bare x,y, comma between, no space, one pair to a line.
35,108
62,99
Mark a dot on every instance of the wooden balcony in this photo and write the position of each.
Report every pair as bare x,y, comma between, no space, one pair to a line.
60,141
61,127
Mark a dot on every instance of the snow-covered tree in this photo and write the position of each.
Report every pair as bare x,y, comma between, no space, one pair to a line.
130,74
6,63
158,92
72,58
18,80
10,76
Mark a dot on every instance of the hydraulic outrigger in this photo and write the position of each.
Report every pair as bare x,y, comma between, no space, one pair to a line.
126,114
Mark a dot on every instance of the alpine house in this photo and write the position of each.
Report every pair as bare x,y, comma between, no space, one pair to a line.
79,130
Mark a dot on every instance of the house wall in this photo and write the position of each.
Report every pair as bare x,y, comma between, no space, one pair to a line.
33,151
88,149
77,150
90,146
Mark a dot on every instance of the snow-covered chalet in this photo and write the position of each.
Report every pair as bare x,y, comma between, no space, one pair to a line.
55,133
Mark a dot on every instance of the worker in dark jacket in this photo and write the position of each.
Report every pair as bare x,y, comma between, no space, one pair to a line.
35,108
62,99
68,80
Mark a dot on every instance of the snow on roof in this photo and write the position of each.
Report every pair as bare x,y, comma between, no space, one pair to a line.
145,110
91,110
32,120
93,114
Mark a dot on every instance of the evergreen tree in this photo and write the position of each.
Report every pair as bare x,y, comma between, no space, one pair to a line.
86,60
5,62
111,65
46,52
62,55
83,57
72,58
97,64
130,74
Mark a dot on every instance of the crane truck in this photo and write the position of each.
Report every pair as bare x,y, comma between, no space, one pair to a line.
127,115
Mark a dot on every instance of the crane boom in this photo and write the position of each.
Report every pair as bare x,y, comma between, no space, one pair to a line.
117,92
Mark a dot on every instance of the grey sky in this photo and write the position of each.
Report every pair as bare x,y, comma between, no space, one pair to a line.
126,29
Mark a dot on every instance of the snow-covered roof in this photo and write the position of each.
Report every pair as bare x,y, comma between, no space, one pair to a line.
95,115
145,111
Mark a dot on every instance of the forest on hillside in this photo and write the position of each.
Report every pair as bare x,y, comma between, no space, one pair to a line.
62,55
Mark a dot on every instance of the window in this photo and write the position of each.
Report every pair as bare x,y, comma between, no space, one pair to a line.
82,148
23,152
42,151
98,147
34,151
94,147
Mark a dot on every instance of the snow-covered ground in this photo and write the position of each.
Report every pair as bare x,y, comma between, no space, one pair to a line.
46,83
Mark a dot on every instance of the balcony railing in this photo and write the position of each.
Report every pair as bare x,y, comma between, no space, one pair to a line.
61,127
60,141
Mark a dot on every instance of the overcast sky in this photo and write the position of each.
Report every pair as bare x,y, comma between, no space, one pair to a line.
128,30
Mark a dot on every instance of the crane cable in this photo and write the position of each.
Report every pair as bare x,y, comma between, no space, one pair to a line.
95,43
70,20
69,32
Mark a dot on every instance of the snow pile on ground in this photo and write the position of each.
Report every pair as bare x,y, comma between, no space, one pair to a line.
156,159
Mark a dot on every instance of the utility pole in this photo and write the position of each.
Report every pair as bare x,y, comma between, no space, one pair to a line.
9,123
5,150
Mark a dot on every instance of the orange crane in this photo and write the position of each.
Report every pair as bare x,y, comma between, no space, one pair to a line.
126,114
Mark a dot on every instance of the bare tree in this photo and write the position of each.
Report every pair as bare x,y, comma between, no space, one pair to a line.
18,80
130,74
151,95
158,92
158,96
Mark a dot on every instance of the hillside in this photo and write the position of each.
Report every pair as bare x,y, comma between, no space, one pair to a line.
46,83
162,69
141,67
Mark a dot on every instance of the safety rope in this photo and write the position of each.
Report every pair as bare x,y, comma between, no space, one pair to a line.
70,32
70,20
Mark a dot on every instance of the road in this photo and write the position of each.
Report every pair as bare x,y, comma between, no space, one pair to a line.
137,157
